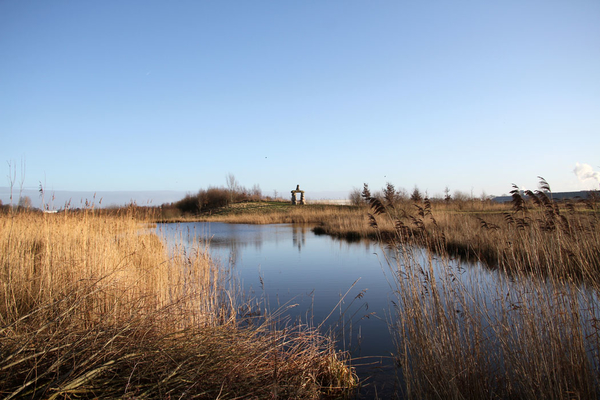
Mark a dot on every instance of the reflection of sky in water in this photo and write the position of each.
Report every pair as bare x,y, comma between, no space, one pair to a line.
299,267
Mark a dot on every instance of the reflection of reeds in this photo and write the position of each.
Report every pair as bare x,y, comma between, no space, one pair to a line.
92,306
532,333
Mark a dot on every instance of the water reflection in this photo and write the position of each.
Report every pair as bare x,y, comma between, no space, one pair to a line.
332,283
299,236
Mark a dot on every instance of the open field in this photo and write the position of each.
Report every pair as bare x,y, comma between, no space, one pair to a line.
95,306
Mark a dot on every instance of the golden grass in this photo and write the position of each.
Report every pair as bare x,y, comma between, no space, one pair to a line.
96,306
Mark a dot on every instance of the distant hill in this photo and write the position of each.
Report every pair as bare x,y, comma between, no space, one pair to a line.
560,196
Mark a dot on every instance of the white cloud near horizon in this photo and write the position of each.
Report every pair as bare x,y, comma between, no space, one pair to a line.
585,172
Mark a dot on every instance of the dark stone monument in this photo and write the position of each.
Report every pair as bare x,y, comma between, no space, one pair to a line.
294,199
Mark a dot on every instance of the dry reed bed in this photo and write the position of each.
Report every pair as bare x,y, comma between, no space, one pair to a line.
537,236
527,330
469,336
96,307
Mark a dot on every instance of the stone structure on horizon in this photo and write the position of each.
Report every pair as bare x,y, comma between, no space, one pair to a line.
294,199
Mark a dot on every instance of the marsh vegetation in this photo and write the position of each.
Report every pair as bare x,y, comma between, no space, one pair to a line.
531,331
97,306
93,304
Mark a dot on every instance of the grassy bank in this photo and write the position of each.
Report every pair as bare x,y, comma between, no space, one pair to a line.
346,218
94,306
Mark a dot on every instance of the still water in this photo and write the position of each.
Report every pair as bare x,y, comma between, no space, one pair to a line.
313,278
348,289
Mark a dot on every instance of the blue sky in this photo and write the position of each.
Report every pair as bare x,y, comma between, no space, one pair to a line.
172,96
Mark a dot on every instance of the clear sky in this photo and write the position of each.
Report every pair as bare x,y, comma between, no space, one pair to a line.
172,96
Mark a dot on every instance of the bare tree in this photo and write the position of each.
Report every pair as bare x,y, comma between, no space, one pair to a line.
232,185
485,197
355,197
460,196
12,178
256,192
402,194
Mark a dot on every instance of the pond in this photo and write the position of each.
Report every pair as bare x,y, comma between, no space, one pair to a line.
349,289
312,277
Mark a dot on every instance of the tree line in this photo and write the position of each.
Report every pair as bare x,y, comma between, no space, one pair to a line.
215,197
391,195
